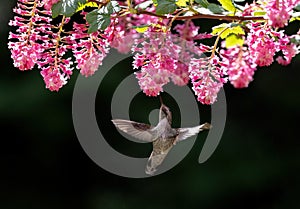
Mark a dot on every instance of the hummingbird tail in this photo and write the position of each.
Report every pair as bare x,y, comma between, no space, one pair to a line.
154,161
206,126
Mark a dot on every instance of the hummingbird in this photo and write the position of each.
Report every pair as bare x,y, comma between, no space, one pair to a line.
162,136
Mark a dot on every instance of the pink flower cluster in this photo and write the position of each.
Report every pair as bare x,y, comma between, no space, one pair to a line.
36,41
239,65
280,11
264,42
159,56
207,78
89,49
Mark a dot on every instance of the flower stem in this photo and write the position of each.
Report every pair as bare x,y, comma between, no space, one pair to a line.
203,16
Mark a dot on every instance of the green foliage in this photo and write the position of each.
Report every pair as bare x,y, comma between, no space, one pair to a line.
226,29
66,7
216,9
228,5
87,4
182,3
141,28
232,40
144,5
203,3
259,13
165,6
99,19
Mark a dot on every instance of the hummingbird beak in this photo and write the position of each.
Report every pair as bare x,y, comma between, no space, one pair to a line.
161,101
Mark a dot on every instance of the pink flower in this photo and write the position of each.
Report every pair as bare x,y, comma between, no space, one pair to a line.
162,57
148,85
24,54
262,45
91,65
280,11
206,78
239,66
289,51
49,3
53,78
88,49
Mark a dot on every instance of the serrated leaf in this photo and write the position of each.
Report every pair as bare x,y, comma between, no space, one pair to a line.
203,3
98,19
181,3
113,7
233,40
238,30
66,7
165,7
144,5
88,4
141,28
216,9
294,19
228,5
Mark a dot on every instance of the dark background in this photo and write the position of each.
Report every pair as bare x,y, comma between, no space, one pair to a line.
256,165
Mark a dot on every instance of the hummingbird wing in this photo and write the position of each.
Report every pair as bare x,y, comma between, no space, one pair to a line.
139,131
160,150
184,133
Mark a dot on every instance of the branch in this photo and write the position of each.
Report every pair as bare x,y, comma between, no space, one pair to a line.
203,16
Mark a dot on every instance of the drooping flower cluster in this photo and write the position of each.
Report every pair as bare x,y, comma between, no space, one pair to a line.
157,56
207,78
89,49
37,41
264,43
25,49
254,37
239,65
279,12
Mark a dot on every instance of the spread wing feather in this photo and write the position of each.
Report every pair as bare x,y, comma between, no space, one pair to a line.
139,131
184,133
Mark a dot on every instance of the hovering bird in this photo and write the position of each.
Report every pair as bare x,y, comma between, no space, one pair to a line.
162,136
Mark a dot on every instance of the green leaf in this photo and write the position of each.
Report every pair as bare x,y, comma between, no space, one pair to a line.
203,3
181,3
87,4
141,28
66,7
143,5
98,19
295,39
231,29
216,9
112,7
297,7
233,40
165,7
228,5
259,13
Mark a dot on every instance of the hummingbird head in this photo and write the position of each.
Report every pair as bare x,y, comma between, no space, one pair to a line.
165,113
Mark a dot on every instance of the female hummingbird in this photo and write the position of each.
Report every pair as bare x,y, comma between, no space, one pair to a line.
162,136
